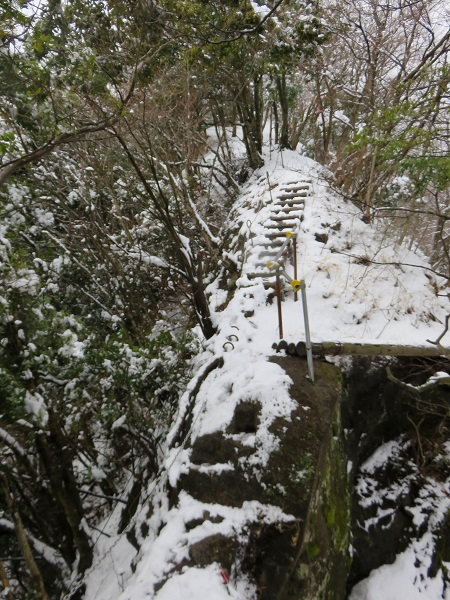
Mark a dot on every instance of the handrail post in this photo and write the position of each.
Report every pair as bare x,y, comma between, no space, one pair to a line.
309,355
278,294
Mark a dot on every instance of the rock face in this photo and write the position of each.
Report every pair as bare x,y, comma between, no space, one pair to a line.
408,432
316,475
306,477
320,562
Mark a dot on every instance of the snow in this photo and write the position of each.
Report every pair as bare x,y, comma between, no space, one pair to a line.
43,217
73,348
403,579
409,575
382,455
28,282
202,583
260,10
148,259
242,378
12,442
360,287
174,540
350,298
35,405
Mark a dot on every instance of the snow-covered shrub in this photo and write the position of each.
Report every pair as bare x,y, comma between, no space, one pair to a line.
88,385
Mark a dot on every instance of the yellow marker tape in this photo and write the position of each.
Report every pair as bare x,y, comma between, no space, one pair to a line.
272,265
289,234
297,284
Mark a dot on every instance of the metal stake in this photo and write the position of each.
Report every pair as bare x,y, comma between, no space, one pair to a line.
309,355
278,293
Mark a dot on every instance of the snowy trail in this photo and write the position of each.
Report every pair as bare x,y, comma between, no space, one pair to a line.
360,287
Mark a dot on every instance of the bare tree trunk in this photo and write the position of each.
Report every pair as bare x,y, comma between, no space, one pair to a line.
200,302
284,138
258,103
251,120
53,451
276,123
161,207
368,201
25,548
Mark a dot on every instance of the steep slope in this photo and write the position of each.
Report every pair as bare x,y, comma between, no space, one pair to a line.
217,503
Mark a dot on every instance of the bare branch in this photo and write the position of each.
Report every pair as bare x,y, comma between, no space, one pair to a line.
419,389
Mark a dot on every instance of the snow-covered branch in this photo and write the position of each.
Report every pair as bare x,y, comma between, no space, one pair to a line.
439,378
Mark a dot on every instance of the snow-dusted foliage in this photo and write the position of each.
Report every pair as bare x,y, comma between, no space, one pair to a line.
86,400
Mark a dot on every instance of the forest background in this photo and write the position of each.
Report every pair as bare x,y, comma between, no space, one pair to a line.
117,173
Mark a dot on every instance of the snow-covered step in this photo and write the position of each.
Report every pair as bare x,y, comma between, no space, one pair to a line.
290,202
261,264
292,195
261,240
278,235
294,214
262,269
295,187
282,216
282,224
274,243
262,275
286,208
303,181
301,190
267,254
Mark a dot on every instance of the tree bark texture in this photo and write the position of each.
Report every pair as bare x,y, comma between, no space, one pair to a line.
53,452
22,540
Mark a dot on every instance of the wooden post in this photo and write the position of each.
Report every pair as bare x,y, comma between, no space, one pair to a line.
295,263
270,189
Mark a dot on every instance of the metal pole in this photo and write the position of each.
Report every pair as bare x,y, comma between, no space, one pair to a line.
278,293
282,249
309,355
295,264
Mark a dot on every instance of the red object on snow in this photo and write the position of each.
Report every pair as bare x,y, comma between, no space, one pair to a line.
225,576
